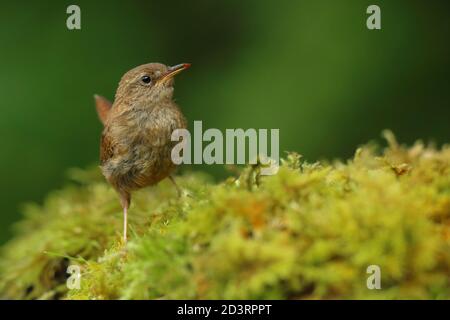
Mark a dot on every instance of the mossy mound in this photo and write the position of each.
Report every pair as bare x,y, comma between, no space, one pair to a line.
308,232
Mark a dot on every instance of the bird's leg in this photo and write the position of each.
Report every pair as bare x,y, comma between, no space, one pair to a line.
179,191
125,201
125,216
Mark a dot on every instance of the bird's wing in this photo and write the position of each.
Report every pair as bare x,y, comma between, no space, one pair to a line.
103,106
107,147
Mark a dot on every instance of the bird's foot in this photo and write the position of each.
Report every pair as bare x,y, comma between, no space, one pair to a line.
185,193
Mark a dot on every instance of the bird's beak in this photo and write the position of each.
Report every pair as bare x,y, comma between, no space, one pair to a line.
174,70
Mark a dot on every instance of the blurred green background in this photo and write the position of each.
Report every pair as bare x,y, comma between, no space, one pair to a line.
310,68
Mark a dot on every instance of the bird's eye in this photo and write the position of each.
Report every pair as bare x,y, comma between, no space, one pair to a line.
146,79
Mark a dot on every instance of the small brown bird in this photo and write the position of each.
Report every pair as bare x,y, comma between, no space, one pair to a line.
135,147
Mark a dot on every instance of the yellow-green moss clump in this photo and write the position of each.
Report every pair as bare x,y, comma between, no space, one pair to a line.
308,232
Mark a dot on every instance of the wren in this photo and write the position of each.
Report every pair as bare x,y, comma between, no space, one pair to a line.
135,146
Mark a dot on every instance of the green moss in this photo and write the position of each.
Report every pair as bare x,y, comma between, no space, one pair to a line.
310,231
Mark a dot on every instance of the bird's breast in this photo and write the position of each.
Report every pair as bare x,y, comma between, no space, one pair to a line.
151,127
144,145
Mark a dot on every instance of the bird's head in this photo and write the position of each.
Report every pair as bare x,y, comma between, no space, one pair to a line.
148,84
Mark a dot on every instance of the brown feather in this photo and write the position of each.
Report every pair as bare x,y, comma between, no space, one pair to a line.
106,148
103,107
